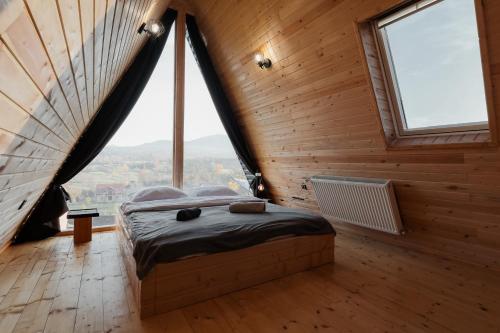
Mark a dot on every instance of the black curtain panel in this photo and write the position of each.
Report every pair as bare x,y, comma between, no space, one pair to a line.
222,105
44,218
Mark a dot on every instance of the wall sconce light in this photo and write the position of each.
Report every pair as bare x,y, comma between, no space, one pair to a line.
260,186
263,63
153,28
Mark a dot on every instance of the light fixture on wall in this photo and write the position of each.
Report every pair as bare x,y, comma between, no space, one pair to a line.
262,62
260,183
153,28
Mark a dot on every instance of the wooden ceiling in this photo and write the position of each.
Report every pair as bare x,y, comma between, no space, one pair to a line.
313,113
59,59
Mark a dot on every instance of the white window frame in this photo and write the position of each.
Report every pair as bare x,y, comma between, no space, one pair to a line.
392,86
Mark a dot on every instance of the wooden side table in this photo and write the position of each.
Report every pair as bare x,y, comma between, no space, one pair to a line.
82,224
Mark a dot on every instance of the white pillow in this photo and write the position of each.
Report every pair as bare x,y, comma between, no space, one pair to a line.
210,191
158,193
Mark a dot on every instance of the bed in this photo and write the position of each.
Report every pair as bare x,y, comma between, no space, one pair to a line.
172,264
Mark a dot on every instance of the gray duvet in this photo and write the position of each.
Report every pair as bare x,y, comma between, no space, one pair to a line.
158,237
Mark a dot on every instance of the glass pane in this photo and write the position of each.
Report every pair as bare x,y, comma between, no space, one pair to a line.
437,62
138,155
209,157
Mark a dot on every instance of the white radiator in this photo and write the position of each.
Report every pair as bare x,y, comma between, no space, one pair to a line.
365,202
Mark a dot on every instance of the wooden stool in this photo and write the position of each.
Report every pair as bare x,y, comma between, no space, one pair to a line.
82,224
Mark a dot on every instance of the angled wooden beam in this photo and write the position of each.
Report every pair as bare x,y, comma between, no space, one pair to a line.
178,141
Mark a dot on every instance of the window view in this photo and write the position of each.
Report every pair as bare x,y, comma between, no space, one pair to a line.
139,154
209,157
432,49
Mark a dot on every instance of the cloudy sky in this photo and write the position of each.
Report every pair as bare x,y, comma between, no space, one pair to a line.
438,65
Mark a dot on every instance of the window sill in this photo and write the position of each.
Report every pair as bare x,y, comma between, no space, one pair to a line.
374,70
455,140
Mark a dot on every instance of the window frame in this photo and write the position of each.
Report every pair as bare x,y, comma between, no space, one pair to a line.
392,86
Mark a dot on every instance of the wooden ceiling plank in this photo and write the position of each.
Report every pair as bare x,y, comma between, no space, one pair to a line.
17,165
137,39
26,140
69,16
11,141
99,24
45,17
115,31
8,181
16,120
21,90
108,29
14,211
86,9
12,204
133,35
24,43
32,127
16,196
12,144
125,20
131,42
128,11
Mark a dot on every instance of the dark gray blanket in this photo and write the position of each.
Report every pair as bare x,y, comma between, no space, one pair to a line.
158,237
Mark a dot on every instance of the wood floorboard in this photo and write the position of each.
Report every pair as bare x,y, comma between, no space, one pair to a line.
53,286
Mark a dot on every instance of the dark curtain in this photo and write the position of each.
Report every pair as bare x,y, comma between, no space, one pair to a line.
44,219
223,106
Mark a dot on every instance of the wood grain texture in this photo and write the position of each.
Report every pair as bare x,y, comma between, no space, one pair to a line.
59,59
83,230
313,113
179,85
56,286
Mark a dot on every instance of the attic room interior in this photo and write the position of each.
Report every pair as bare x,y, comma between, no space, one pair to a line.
249,166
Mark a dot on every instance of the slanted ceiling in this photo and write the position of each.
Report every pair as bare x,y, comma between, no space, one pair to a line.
59,59
313,113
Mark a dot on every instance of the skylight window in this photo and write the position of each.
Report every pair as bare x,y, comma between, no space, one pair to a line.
431,57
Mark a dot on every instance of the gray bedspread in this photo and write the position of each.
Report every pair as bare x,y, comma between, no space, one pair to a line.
158,237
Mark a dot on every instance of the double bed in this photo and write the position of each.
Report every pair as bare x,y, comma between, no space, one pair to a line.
171,264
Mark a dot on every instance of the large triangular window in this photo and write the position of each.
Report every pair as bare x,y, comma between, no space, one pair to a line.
141,153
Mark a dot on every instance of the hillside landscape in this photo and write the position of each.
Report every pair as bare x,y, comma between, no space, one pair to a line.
118,171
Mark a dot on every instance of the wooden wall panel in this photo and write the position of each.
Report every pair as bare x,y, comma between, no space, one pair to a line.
45,15
312,113
106,42
23,41
59,59
69,12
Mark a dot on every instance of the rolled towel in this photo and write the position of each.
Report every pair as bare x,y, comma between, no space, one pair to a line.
188,214
247,207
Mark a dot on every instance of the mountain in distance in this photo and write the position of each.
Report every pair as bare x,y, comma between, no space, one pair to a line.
216,146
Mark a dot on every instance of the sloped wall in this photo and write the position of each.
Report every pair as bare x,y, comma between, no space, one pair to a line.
312,114
58,61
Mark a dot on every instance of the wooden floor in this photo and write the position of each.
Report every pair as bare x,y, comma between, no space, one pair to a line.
53,286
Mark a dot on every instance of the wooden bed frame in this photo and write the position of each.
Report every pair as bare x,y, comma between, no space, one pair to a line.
173,285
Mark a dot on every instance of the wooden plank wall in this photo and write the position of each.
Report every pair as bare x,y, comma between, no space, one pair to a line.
59,59
312,113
